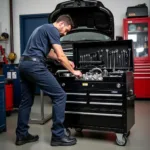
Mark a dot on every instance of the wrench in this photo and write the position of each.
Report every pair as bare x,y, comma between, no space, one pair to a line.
114,62
117,57
107,57
110,58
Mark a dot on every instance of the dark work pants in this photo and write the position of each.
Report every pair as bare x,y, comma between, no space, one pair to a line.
32,73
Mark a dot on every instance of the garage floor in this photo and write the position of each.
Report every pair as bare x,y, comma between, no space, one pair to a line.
89,140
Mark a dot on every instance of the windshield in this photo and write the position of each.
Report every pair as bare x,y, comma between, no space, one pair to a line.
84,36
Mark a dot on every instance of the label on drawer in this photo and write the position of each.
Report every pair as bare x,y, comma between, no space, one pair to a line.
84,84
8,75
114,92
14,75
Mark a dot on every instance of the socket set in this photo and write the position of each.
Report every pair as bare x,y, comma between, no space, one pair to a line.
95,74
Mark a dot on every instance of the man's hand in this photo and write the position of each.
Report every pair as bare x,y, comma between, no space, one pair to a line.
72,64
77,73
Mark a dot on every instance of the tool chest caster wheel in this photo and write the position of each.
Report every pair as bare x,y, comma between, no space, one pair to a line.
127,134
121,139
67,132
78,129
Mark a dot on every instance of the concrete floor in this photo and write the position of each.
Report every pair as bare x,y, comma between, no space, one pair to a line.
138,140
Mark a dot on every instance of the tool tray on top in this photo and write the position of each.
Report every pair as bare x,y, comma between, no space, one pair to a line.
113,55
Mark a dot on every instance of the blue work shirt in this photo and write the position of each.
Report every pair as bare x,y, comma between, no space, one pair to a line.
41,40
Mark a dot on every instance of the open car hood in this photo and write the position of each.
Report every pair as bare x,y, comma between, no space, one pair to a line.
86,13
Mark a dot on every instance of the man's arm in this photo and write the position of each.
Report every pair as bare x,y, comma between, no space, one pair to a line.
52,55
61,57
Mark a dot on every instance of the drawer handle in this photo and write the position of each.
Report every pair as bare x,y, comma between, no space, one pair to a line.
69,55
141,77
98,103
75,102
59,71
76,94
140,67
116,95
142,73
65,49
94,114
140,64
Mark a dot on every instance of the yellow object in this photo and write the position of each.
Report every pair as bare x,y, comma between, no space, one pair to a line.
12,56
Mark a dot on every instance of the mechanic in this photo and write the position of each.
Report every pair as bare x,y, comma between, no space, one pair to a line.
44,42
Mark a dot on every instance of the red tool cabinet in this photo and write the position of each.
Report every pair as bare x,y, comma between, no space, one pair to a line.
138,29
9,98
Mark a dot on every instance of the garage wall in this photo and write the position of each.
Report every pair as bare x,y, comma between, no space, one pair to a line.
20,7
4,21
118,8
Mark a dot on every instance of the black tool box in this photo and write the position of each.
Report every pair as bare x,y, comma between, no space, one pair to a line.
103,99
140,10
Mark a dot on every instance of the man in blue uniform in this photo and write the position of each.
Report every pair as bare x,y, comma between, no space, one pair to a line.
44,42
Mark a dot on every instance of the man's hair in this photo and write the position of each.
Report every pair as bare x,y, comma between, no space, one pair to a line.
67,19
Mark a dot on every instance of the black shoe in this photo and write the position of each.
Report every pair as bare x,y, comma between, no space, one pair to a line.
65,141
29,138
72,138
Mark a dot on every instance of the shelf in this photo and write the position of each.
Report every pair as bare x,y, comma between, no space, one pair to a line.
137,31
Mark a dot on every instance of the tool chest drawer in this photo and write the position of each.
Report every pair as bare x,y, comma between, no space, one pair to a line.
76,100
106,94
107,106
106,86
2,105
92,108
102,120
97,97
76,96
73,86
142,79
88,105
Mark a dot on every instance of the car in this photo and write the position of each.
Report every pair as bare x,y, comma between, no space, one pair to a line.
92,22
